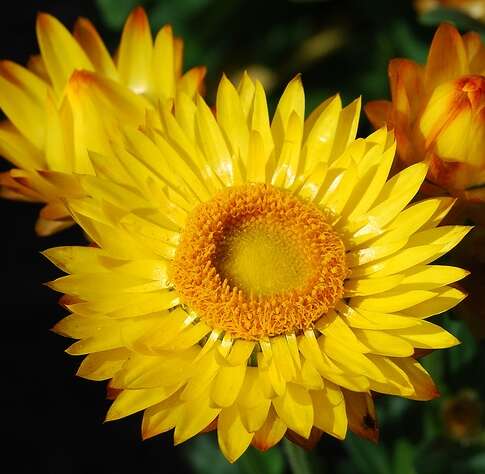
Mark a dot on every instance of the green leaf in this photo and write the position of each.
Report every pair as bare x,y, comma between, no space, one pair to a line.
204,457
366,457
403,457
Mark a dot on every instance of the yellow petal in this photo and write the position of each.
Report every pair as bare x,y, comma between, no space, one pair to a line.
391,301
104,340
427,336
383,343
395,195
429,277
253,405
423,384
334,326
291,101
260,122
320,131
283,358
164,64
371,181
17,149
330,418
295,408
371,286
154,371
233,437
80,327
227,384
353,362
212,143
102,365
22,98
195,416
347,127
246,91
161,417
396,383
363,319
131,401
60,52
92,44
270,433
76,259
445,299
135,53
231,119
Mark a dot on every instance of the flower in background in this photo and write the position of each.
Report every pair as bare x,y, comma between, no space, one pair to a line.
256,277
473,8
462,415
51,104
438,113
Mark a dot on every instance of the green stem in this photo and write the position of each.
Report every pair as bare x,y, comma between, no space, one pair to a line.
297,458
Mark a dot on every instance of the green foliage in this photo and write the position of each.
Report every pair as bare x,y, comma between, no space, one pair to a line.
204,457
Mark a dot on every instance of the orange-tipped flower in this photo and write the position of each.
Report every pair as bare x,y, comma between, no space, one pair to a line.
438,112
51,105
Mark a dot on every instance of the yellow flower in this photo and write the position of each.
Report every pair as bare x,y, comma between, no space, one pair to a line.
48,134
438,113
257,277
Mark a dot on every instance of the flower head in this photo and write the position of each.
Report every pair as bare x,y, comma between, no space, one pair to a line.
257,277
438,112
47,132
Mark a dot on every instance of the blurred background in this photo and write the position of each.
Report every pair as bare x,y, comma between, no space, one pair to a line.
53,421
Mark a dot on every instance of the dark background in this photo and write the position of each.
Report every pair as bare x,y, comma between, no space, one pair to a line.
53,421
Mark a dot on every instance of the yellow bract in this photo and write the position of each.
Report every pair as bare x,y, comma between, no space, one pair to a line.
168,304
69,100
438,113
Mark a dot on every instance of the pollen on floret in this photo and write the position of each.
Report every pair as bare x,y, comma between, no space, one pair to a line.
255,261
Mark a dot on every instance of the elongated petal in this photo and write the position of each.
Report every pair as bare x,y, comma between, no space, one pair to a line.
233,437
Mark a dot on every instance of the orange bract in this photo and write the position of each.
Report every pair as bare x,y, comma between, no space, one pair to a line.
438,113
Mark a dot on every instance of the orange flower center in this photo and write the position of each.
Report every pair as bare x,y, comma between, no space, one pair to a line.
256,261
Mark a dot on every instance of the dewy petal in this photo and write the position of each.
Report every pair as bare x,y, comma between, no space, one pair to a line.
60,51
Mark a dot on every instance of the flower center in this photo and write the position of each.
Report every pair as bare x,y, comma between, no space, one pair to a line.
255,261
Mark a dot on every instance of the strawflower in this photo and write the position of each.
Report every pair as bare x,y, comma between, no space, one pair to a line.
438,113
262,278
52,123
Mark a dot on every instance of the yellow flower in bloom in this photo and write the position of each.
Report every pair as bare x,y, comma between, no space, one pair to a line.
438,112
51,104
257,277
